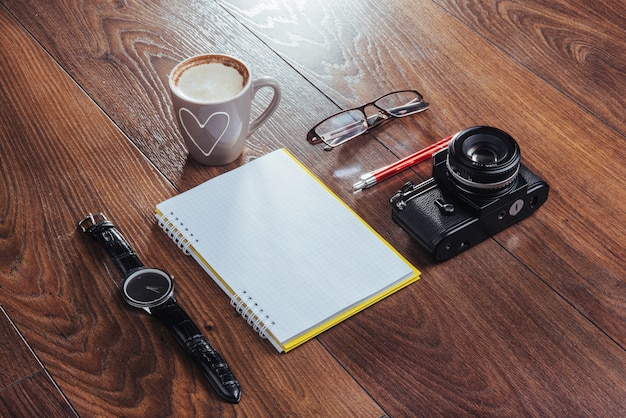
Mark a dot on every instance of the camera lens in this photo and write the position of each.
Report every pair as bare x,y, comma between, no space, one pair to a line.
483,161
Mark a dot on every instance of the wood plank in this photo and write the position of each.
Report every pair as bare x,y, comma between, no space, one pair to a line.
128,52
122,55
469,82
486,341
577,46
16,359
34,396
26,389
489,330
503,350
110,359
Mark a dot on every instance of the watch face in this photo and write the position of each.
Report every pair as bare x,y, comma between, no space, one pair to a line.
148,288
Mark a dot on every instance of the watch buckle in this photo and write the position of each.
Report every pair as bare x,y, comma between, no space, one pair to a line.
91,220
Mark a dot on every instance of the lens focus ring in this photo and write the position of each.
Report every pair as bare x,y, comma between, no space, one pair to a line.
483,160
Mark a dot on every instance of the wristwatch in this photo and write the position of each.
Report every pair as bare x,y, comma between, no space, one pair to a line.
153,291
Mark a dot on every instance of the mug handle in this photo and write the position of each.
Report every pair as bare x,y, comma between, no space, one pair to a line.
256,86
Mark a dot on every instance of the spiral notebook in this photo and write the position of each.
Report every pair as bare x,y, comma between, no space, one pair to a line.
293,258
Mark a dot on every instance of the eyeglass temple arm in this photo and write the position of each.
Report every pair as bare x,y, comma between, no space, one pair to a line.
372,120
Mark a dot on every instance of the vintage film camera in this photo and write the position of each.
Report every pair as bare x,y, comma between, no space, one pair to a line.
478,188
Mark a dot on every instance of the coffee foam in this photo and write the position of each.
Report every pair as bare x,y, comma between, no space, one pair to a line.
210,81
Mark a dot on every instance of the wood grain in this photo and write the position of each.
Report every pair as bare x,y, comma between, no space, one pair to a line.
481,85
108,358
525,358
14,351
126,53
530,323
26,389
576,46
554,133
36,395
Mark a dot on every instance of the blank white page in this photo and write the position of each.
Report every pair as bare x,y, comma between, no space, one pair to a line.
270,229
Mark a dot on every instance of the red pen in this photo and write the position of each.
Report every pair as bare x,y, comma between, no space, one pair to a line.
376,176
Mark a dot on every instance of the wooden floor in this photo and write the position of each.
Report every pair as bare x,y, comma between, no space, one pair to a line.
529,323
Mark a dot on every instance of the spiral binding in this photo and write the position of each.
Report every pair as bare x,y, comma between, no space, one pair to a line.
174,230
252,313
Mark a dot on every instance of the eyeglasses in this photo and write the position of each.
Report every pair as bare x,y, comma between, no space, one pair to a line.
348,124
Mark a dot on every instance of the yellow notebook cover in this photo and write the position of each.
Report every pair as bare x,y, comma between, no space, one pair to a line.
294,259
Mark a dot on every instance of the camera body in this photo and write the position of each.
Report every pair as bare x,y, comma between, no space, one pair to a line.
478,188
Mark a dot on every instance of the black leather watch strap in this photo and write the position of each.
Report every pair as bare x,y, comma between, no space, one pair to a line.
141,281
103,231
213,367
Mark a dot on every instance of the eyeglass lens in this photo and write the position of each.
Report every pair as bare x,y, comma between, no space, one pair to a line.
401,103
342,127
351,123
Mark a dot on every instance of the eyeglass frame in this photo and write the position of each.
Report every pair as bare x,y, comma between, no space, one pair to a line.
382,117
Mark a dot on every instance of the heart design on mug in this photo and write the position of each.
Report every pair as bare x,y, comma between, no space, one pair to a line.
213,129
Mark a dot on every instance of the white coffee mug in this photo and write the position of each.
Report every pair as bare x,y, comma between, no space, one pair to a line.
212,96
